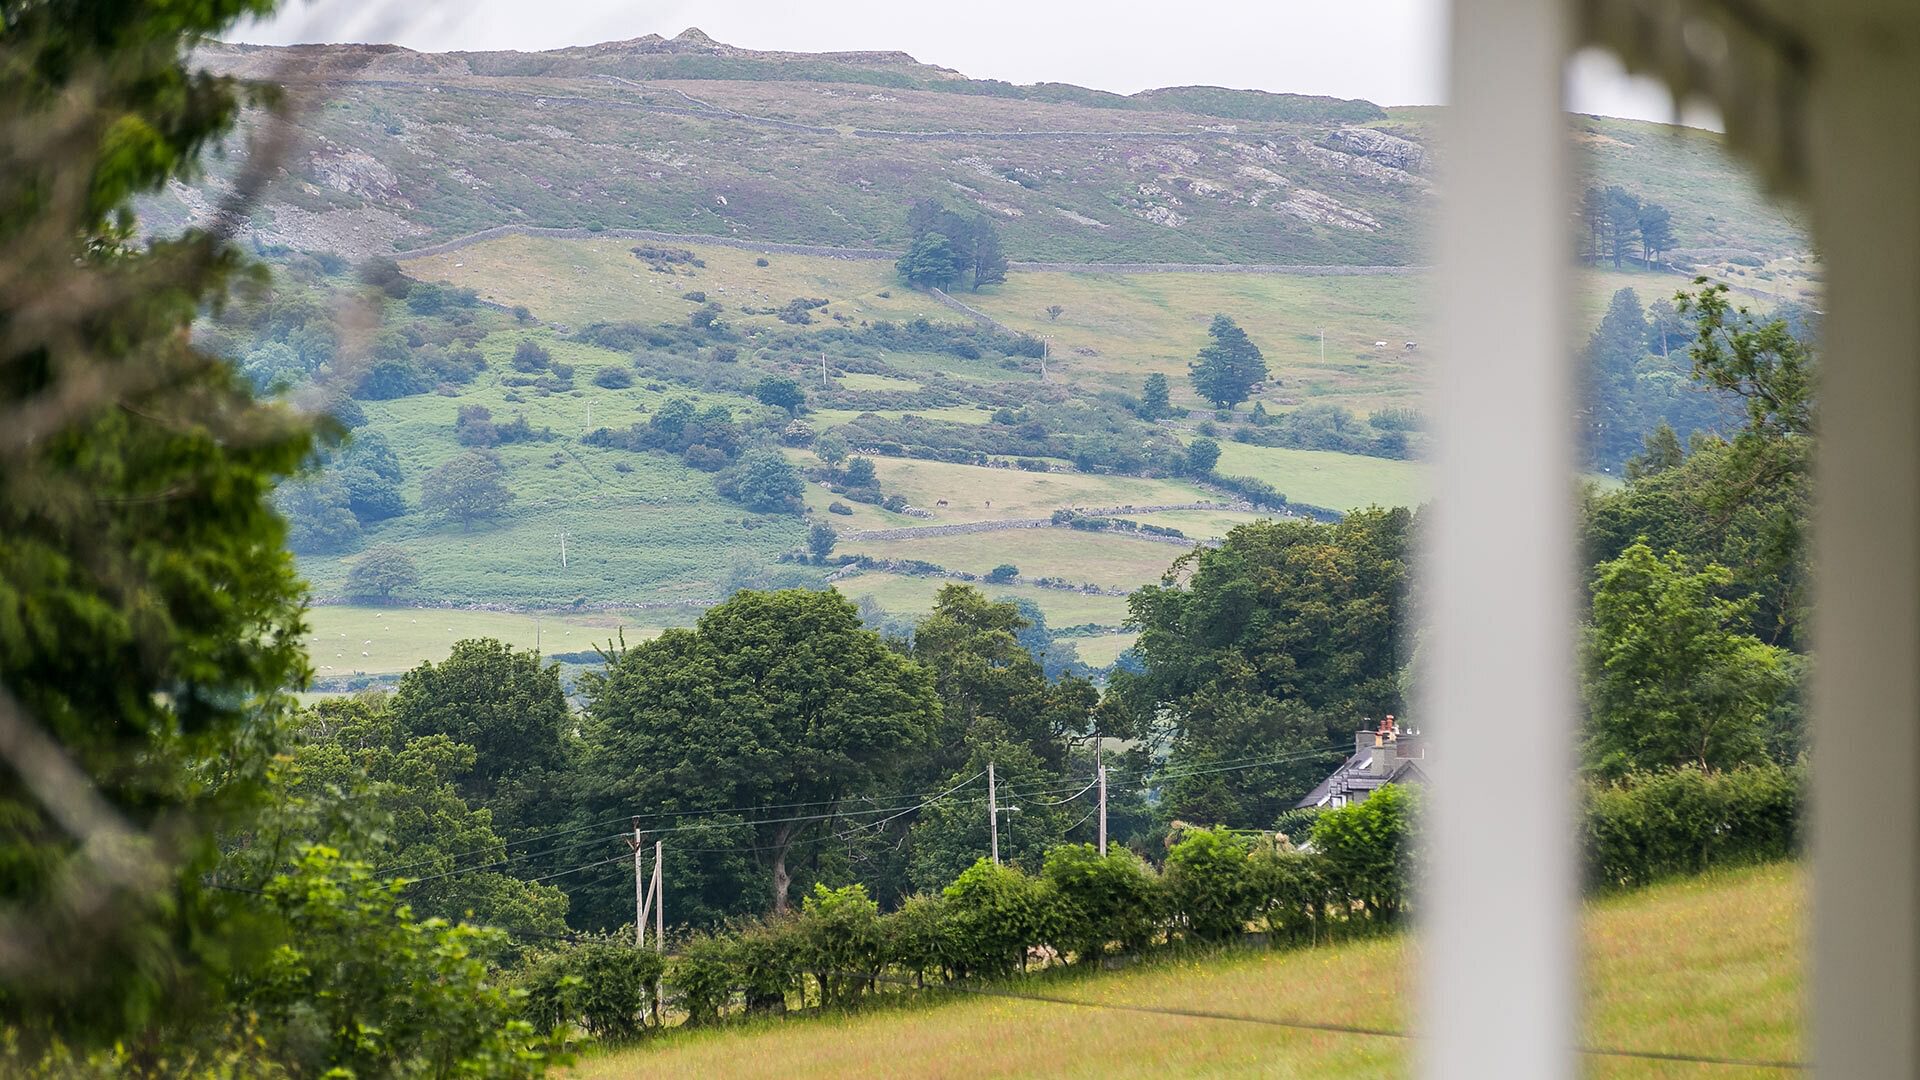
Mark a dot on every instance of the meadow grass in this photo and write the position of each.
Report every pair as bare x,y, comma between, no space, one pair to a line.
1104,649
1079,557
1323,478
1711,965
1016,493
1199,524
356,640
912,597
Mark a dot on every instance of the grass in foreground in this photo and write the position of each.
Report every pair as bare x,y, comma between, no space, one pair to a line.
1710,965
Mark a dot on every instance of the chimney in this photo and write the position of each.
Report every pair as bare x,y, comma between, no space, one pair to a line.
1364,740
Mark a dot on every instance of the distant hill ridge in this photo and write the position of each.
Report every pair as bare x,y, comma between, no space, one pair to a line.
694,55
690,136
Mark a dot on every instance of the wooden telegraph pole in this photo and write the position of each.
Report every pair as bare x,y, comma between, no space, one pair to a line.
1103,811
993,815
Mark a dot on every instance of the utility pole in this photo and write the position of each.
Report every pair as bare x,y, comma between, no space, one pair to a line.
993,815
536,633
1103,811
823,369
589,414
1323,346
563,549
1046,346
659,920
646,893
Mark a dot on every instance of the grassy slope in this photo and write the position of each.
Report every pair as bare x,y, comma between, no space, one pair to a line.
346,640
1710,965
1078,557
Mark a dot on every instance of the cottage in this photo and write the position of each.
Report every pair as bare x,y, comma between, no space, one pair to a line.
1381,756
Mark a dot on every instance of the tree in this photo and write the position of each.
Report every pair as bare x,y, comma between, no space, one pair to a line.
380,573
1202,455
989,262
860,472
931,262
1156,400
772,698
473,426
821,539
361,783
1280,638
469,488
1229,367
780,392
1611,428
509,707
830,448
319,519
1670,680
765,481
1622,223
1656,232
150,616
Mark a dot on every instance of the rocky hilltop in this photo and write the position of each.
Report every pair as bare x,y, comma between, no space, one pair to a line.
691,135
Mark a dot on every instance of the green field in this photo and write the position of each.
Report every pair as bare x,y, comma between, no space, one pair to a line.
1319,478
978,493
1103,650
1079,557
912,597
1710,965
348,640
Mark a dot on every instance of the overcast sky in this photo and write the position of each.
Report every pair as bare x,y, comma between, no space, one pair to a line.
1388,51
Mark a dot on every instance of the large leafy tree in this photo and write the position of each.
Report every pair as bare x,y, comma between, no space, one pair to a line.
1672,679
359,779
1230,365
380,573
469,488
149,616
1286,637
773,699
932,262
509,707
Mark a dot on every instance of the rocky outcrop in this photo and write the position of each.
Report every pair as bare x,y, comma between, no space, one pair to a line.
1389,150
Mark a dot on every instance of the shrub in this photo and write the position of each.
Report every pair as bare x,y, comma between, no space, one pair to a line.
760,262
1100,899
612,378
1369,849
840,932
1002,573
1210,885
838,507
993,913
705,975
1650,826
529,356
914,936
603,986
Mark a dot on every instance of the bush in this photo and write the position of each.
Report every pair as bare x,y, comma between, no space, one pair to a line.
1369,849
529,356
1210,884
613,378
914,937
1651,826
840,932
704,973
838,507
993,913
1003,573
602,986
1099,900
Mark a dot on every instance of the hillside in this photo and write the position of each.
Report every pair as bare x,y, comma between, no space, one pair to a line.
692,136
597,203
1707,966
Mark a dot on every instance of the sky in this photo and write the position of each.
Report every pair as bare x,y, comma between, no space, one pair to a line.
1388,51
